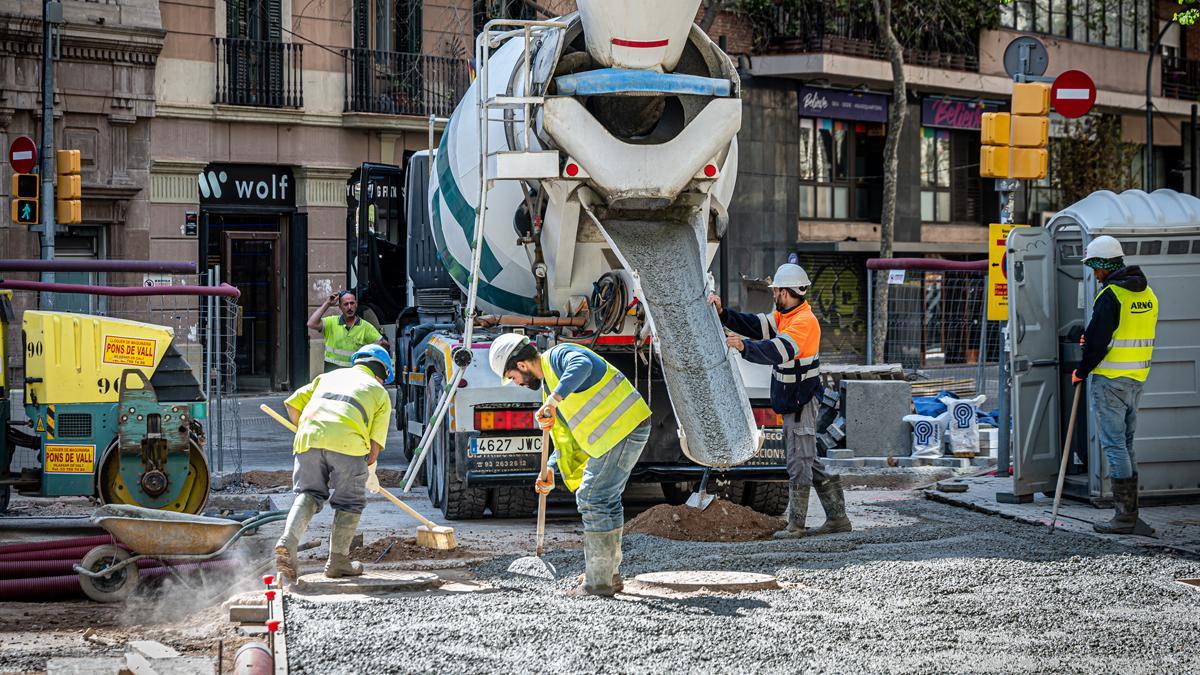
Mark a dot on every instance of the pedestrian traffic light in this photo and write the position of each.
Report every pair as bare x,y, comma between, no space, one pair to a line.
25,189
68,209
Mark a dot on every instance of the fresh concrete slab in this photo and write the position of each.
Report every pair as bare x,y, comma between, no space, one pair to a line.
371,581
688,581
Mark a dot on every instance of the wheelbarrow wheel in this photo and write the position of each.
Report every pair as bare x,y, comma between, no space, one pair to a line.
115,587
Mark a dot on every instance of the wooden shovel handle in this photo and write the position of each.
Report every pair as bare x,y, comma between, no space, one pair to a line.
541,514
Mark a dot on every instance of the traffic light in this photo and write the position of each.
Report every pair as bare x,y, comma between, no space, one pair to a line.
1014,145
68,209
993,129
993,161
1031,98
25,193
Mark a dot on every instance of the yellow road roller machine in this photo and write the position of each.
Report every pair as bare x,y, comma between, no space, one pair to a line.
114,409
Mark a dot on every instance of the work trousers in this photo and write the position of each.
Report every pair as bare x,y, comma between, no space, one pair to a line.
1115,401
800,447
599,495
316,471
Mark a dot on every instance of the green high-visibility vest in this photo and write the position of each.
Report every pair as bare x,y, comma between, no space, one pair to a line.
597,418
1132,343
340,343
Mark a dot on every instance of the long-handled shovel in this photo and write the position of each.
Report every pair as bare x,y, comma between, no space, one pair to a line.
429,533
1062,468
535,566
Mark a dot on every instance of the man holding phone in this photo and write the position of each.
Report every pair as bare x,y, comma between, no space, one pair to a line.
344,333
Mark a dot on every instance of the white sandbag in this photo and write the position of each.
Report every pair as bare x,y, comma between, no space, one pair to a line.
961,422
926,435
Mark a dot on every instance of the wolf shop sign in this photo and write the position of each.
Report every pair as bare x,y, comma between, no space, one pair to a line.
261,185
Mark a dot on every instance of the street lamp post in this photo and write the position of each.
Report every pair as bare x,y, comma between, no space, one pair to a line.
1148,172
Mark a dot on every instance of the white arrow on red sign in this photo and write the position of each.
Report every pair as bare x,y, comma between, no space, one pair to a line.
1073,94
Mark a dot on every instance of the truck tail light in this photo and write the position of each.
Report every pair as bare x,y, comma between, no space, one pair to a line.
764,417
504,420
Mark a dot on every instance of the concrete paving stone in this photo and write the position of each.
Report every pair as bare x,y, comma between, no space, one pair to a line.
248,613
843,463
841,453
954,462
875,413
91,665
372,581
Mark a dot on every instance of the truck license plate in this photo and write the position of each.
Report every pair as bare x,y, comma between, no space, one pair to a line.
505,445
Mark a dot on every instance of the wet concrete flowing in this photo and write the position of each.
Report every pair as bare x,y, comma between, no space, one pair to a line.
706,392
929,588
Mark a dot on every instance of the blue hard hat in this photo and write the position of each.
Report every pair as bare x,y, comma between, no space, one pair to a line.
378,354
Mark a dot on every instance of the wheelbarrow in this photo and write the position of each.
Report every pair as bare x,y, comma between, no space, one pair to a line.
109,573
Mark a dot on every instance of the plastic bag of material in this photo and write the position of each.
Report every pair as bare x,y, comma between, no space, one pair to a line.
926,435
962,423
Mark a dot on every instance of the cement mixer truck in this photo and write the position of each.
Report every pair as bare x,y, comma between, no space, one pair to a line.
578,194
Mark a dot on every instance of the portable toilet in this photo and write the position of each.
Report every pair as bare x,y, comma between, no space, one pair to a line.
1050,302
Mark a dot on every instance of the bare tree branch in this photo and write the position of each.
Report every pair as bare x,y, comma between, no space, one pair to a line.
539,9
712,9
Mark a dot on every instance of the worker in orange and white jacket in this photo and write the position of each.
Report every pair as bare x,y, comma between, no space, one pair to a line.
789,340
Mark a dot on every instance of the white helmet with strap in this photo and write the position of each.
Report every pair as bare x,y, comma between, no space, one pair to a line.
1103,247
502,350
793,276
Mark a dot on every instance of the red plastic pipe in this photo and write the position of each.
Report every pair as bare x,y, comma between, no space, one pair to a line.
224,290
72,553
98,540
34,568
67,265
933,264
47,588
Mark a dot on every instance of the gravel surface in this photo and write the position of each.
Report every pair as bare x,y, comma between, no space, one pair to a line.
931,589
705,391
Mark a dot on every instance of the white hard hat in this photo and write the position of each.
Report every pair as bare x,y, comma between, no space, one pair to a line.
502,350
790,275
1103,247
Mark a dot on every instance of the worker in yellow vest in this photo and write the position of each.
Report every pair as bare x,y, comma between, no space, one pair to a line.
1117,348
599,424
344,332
342,420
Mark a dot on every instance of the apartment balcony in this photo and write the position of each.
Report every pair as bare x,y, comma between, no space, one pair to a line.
397,83
1180,78
814,28
263,73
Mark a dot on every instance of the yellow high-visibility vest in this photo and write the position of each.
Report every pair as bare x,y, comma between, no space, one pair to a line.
342,342
597,418
1133,342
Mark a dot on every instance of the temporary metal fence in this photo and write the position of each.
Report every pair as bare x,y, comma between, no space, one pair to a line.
937,326
204,318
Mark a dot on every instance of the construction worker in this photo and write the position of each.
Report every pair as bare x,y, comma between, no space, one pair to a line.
344,332
599,424
342,420
789,340
1117,346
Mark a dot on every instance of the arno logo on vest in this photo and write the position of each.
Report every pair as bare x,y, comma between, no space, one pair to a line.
1140,306
247,185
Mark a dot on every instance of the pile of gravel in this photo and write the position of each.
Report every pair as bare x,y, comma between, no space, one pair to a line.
946,591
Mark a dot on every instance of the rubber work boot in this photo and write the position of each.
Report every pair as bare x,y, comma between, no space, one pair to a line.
833,500
618,582
302,512
1125,501
797,513
600,562
345,524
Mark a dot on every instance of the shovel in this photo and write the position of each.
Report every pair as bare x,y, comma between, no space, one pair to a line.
1062,469
701,499
535,566
429,534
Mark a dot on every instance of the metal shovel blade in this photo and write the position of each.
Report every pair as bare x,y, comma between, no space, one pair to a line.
700,500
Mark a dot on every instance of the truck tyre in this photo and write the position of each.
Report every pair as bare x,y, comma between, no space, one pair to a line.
676,494
513,502
457,501
769,498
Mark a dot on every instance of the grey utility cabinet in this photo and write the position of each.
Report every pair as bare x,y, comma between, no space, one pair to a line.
1050,301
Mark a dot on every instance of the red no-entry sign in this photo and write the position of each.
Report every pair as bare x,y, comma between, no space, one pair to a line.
22,154
1073,94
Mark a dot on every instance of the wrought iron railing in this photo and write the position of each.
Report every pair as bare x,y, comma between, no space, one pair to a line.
399,83
264,73
812,27
1180,78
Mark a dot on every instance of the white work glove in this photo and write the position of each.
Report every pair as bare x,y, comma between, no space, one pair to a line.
372,479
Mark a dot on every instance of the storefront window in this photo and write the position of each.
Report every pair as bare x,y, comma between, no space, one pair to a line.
935,175
837,160
1113,23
